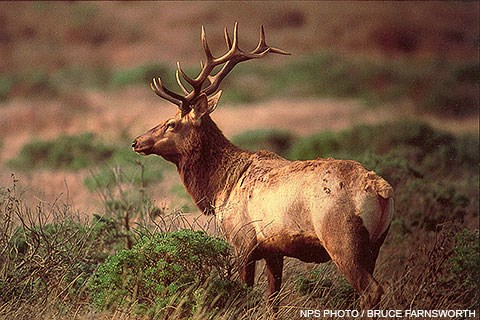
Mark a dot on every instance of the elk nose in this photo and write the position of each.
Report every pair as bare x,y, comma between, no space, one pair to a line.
134,144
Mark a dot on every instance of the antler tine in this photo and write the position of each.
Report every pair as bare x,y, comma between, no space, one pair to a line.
263,48
190,81
158,87
217,78
262,45
235,47
206,48
180,84
227,38
236,55
228,61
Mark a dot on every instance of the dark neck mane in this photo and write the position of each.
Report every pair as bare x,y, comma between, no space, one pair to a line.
212,166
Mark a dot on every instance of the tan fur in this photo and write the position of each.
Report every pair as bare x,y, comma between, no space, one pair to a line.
270,207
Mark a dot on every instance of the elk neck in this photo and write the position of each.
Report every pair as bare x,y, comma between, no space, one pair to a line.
212,165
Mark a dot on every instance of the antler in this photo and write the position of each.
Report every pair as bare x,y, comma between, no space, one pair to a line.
233,56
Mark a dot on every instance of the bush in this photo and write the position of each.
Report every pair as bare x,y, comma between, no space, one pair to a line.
64,152
465,262
163,269
418,137
278,141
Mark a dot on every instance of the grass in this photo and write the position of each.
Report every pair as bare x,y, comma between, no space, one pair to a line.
56,265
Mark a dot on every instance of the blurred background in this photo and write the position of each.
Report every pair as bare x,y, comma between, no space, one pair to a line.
84,68
394,85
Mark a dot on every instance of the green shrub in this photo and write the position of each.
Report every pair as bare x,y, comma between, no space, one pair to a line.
278,141
416,138
465,262
165,268
64,152
323,144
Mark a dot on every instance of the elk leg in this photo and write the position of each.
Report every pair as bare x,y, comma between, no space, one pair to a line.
274,276
355,255
364,283
247,272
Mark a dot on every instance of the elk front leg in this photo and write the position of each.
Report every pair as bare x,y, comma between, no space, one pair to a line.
247,272
274,276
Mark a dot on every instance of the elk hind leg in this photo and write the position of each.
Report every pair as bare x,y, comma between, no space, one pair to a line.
365,284
355,256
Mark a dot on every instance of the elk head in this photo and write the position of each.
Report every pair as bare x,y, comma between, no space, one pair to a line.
174,138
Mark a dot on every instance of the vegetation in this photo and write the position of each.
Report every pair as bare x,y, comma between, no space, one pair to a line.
185,268
442,88
111,164
122,167
47,255
278,141
64,152
132,259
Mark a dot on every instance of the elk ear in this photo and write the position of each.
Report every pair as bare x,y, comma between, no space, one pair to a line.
202,105
213,101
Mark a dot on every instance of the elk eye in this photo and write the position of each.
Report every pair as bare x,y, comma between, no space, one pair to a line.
170,126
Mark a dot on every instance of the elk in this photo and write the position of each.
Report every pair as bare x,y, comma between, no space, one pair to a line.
270,207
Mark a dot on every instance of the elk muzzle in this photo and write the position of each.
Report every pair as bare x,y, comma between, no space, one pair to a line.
142,145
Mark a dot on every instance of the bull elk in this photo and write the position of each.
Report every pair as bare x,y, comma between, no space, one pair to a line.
313,210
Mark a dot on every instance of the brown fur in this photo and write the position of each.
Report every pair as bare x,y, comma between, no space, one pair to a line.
270,207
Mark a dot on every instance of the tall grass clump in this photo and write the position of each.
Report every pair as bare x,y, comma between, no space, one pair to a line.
327,287
47,255
438,273
132,258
